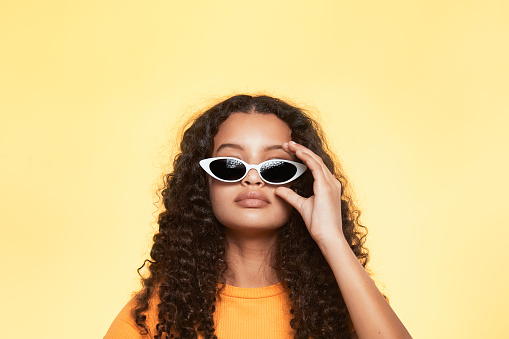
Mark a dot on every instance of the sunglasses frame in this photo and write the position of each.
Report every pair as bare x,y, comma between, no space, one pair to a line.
301,168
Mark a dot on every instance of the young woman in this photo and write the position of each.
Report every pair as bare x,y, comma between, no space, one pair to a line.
259,237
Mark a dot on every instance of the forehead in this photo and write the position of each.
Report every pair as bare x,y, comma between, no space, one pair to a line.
252,130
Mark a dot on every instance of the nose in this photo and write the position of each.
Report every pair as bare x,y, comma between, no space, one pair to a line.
252,178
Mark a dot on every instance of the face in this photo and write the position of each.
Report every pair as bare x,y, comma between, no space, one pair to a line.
253,138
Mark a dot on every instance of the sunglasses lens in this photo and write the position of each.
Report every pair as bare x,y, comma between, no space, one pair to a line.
278,171
228,169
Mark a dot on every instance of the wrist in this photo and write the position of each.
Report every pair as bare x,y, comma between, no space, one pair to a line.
333,243
338,253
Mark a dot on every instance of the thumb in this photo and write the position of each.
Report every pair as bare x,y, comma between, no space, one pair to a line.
290,197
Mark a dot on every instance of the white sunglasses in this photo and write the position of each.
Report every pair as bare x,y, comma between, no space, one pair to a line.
273,171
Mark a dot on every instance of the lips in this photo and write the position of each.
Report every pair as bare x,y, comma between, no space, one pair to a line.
252,199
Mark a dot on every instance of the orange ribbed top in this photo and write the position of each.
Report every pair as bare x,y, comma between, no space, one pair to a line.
261,312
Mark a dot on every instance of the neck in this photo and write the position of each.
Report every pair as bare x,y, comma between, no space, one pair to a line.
250,259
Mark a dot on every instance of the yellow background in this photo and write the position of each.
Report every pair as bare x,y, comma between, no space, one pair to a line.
414,95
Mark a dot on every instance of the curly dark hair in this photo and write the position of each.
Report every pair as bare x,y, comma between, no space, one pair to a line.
188,256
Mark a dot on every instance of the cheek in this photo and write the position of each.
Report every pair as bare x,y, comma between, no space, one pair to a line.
215,203
286,210
286,206
218,198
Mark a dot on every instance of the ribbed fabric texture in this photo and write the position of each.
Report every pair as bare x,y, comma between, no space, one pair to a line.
262,312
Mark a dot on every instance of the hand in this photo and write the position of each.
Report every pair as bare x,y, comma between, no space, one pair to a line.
322,211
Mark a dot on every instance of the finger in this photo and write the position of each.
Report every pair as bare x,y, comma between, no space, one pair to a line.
285,147
302,153
299,149
316,168
338,186
294,147
290,197
315,164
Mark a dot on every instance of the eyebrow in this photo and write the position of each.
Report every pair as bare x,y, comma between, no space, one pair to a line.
237,146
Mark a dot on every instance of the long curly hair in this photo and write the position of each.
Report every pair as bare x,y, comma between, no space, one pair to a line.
188,256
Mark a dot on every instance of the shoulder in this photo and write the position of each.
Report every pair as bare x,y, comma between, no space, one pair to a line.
124,325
